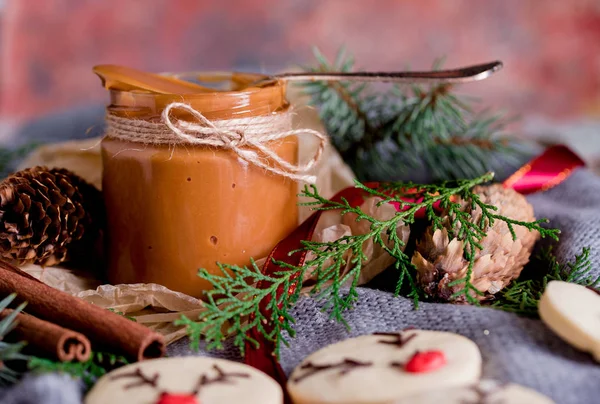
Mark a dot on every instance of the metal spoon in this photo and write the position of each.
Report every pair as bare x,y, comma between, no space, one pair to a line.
452,76
127,79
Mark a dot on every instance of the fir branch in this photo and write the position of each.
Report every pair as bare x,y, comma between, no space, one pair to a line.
90,371
578,271
523,295
232,306
9,351
429,127
343,103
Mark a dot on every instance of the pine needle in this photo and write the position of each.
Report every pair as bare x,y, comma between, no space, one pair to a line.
523,295
422,127
89,371
9,351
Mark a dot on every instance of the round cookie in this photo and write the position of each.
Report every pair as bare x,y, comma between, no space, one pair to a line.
573,312
186,380
486,391
383,367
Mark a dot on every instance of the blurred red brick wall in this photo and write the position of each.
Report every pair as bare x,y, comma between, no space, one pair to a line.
551,49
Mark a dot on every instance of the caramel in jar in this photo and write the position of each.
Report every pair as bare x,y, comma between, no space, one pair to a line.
173,210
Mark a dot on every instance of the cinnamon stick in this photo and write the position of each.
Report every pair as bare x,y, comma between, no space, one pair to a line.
105,330
47,339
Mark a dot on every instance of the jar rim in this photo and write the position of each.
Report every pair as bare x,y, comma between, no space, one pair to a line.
242,99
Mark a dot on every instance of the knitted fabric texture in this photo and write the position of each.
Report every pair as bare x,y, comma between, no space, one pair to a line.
514,348
44,389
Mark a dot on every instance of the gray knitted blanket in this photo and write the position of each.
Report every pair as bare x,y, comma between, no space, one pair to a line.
514,349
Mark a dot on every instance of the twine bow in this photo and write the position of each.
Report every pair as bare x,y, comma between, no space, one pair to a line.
246,137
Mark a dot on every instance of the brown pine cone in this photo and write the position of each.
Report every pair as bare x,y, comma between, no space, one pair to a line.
45,215
440,260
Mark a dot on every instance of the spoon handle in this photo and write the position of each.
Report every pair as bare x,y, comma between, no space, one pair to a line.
461,75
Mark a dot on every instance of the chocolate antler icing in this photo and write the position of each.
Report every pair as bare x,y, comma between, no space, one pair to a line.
141,378
346,366
484,394
221,377
398,340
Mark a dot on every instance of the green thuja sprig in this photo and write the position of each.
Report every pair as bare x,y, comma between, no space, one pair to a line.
522,296
232,306
463,228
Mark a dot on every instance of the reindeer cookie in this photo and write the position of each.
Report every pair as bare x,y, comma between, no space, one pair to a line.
573,312
186,380
485,392
383,367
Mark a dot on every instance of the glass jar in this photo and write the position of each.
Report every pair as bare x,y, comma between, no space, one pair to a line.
174,209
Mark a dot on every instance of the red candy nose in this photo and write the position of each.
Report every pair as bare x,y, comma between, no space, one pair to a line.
427,361
168,398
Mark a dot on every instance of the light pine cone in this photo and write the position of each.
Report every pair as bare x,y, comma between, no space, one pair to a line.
440,260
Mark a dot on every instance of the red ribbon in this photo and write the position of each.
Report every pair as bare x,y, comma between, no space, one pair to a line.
263,357
551,168
547,170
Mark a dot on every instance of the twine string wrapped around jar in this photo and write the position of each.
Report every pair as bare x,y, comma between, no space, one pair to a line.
197,179
246,137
